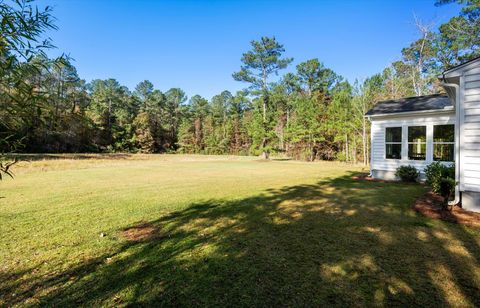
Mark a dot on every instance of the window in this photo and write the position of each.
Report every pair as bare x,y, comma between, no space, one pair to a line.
443,142
417,142
393,142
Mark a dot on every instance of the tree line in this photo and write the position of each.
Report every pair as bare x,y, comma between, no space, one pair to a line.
310,113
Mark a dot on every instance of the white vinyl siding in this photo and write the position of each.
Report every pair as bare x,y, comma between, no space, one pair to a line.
468,78
470,129
379,125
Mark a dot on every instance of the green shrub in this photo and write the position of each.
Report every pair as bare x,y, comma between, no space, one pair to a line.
447,187
407,173
437,171
341,156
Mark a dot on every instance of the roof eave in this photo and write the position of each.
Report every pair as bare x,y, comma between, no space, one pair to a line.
411,113
458,70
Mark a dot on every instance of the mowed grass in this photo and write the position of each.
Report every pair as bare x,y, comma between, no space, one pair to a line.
227,231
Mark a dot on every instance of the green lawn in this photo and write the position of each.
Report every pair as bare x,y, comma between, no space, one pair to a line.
228,231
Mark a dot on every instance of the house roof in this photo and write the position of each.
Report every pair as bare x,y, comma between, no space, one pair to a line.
412,104
450,70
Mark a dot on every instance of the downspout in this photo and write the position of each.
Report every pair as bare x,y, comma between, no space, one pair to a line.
456,88
371,143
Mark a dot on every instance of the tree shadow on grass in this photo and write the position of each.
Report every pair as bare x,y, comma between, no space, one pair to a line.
339,242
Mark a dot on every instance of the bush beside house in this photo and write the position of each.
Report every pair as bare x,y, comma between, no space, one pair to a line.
407,173
441,178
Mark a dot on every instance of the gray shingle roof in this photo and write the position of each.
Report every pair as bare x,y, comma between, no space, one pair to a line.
409,104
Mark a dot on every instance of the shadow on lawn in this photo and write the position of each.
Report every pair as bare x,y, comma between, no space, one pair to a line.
339,242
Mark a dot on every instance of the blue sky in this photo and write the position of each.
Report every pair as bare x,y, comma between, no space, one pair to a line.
197,45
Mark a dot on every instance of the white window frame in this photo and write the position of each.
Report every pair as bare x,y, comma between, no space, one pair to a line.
396,142
417,143
434,143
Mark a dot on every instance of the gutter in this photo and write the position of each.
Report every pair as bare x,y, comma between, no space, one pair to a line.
369,118
456,88
410,113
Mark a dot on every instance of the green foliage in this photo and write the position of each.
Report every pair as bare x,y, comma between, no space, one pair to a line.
309,114
316,77
459,39
143,91
447,187
143,134
264,59
186,138
22,56
22,28
437,172
442,179
407,173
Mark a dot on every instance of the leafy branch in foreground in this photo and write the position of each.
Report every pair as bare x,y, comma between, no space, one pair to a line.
5,168
5,162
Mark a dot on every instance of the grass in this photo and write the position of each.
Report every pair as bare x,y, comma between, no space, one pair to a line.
223,231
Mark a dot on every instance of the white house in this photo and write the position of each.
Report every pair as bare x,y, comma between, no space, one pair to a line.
419,130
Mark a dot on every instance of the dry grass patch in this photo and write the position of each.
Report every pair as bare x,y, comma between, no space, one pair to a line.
141,232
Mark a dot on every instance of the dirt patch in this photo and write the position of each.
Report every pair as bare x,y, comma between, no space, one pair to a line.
141,232
430,205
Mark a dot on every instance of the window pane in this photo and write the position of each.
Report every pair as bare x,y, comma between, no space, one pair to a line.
393,151
443,152
417,133
443,133
393,134
417,151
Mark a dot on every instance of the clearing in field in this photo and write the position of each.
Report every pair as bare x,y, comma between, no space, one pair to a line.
199,230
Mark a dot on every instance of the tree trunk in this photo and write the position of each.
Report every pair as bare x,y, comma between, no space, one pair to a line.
354,150
265,153
198,134
313,152
74,105
264,110
346,148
